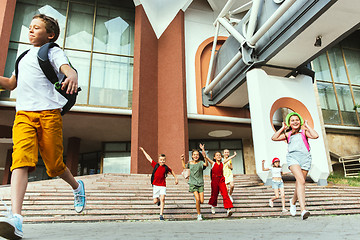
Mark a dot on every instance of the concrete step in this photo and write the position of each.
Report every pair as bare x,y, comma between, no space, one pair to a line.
114,197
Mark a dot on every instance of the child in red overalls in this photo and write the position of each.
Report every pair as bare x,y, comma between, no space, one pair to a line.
218,181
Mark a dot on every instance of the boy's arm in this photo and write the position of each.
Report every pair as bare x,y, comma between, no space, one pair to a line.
71,79
146,155
8,83
263,168
176,180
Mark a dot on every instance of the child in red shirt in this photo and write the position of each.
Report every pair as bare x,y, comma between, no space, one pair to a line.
158,180
218,181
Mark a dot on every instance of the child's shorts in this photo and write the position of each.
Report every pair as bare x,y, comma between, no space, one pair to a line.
303,160
194,188
277,184
38,131
158,190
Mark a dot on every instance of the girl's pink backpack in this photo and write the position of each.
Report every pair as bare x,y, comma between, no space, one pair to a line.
304,140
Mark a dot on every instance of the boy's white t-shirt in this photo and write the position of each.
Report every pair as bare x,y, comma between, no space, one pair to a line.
34,91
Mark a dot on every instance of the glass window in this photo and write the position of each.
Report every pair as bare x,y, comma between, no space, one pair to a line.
117,162
346,105
114,31
321,68
81,62
80,27
328,103
111,78
353,65
102,53
337,65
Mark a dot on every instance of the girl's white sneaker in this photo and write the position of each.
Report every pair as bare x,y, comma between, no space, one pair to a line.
305,214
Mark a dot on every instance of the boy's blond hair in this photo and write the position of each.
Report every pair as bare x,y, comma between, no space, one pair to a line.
51,25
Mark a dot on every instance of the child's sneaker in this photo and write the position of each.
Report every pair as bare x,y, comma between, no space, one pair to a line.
212,209
11,227
284,210
79,198
199,217
161,217
229,212
305,214
292,208
271,203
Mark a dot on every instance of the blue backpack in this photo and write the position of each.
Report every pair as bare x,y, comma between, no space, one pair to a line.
48,70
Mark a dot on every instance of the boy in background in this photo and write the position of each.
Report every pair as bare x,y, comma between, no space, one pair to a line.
38,122
158,180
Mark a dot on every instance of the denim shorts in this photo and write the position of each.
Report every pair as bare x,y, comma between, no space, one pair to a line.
277,184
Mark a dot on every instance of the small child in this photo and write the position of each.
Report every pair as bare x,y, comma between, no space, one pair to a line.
218,181
38,122
196,179
277,182
228,174
158,180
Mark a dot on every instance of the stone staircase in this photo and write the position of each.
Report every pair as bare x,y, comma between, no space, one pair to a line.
126,197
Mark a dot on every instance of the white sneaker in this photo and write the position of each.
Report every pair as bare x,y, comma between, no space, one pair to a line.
271,203
229,212
292,208
231,199
305,214
212,209
199,217
284,210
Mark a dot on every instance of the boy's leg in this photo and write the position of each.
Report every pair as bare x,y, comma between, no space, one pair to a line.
162,204
69,178
19,181
51,150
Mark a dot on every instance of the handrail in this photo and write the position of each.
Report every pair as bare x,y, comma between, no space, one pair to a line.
353,169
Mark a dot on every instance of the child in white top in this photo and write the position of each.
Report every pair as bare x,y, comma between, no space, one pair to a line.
277,182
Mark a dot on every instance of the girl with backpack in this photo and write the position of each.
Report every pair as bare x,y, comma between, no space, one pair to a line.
196,179
298,157
218,181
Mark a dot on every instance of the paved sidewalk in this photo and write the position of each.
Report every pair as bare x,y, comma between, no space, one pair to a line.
326,228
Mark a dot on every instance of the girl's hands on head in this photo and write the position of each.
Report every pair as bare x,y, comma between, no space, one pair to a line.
306,125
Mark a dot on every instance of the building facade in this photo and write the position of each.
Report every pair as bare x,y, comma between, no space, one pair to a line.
142,68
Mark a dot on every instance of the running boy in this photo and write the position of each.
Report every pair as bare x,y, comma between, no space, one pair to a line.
158,180
38,123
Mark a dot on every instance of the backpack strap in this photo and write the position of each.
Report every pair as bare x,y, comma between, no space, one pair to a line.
44,62
306,142
18,61
304,138
155,168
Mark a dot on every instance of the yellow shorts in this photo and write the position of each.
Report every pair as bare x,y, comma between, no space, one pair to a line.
38,131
